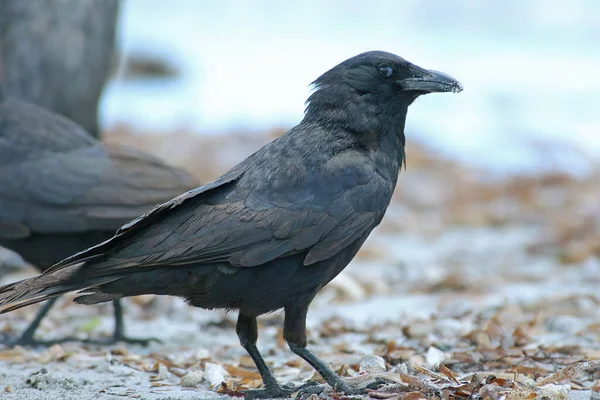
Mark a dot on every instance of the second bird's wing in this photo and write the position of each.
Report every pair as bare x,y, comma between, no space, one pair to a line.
38,194
55,178
90,188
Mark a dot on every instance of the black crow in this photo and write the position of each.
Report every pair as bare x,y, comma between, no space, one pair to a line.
274,229
58,54
61,191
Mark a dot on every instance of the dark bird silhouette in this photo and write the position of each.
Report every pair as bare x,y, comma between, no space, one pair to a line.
58,54
61,191
274,229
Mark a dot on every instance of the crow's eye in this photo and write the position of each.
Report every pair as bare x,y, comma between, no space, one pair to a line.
386,71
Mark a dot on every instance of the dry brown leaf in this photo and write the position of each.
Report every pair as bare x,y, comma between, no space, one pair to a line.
13,356
420,384
570,371
160,384
161,360
422,370
295,363
395,354
54,353
520,336
529,371
231,389
502,382
119,351
448,372
243,373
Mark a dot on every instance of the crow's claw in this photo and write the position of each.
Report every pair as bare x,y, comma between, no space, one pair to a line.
281,391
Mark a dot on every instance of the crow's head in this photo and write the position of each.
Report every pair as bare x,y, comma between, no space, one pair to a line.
375,82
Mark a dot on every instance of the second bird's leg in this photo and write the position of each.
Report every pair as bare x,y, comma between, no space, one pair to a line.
119,332
247,331
27,337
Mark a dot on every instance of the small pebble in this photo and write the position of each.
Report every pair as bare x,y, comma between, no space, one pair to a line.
192,378
371,364
434,357
214,374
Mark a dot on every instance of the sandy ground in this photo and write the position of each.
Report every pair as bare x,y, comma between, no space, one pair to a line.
472,287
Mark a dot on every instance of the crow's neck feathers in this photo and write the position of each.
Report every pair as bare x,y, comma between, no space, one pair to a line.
374,121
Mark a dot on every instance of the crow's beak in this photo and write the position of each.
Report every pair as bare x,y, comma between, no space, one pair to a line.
431,81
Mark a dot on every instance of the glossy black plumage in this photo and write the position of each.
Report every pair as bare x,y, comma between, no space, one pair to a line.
277,227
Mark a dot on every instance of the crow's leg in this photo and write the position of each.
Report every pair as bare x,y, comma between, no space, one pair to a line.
294,333
247,332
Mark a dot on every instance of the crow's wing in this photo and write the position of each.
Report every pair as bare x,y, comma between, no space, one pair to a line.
220,222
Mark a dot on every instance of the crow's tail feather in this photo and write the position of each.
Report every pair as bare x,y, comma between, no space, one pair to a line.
47,286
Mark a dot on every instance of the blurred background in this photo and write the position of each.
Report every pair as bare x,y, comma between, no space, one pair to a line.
529,69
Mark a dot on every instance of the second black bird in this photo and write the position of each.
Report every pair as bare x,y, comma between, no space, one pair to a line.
62,191
274,229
